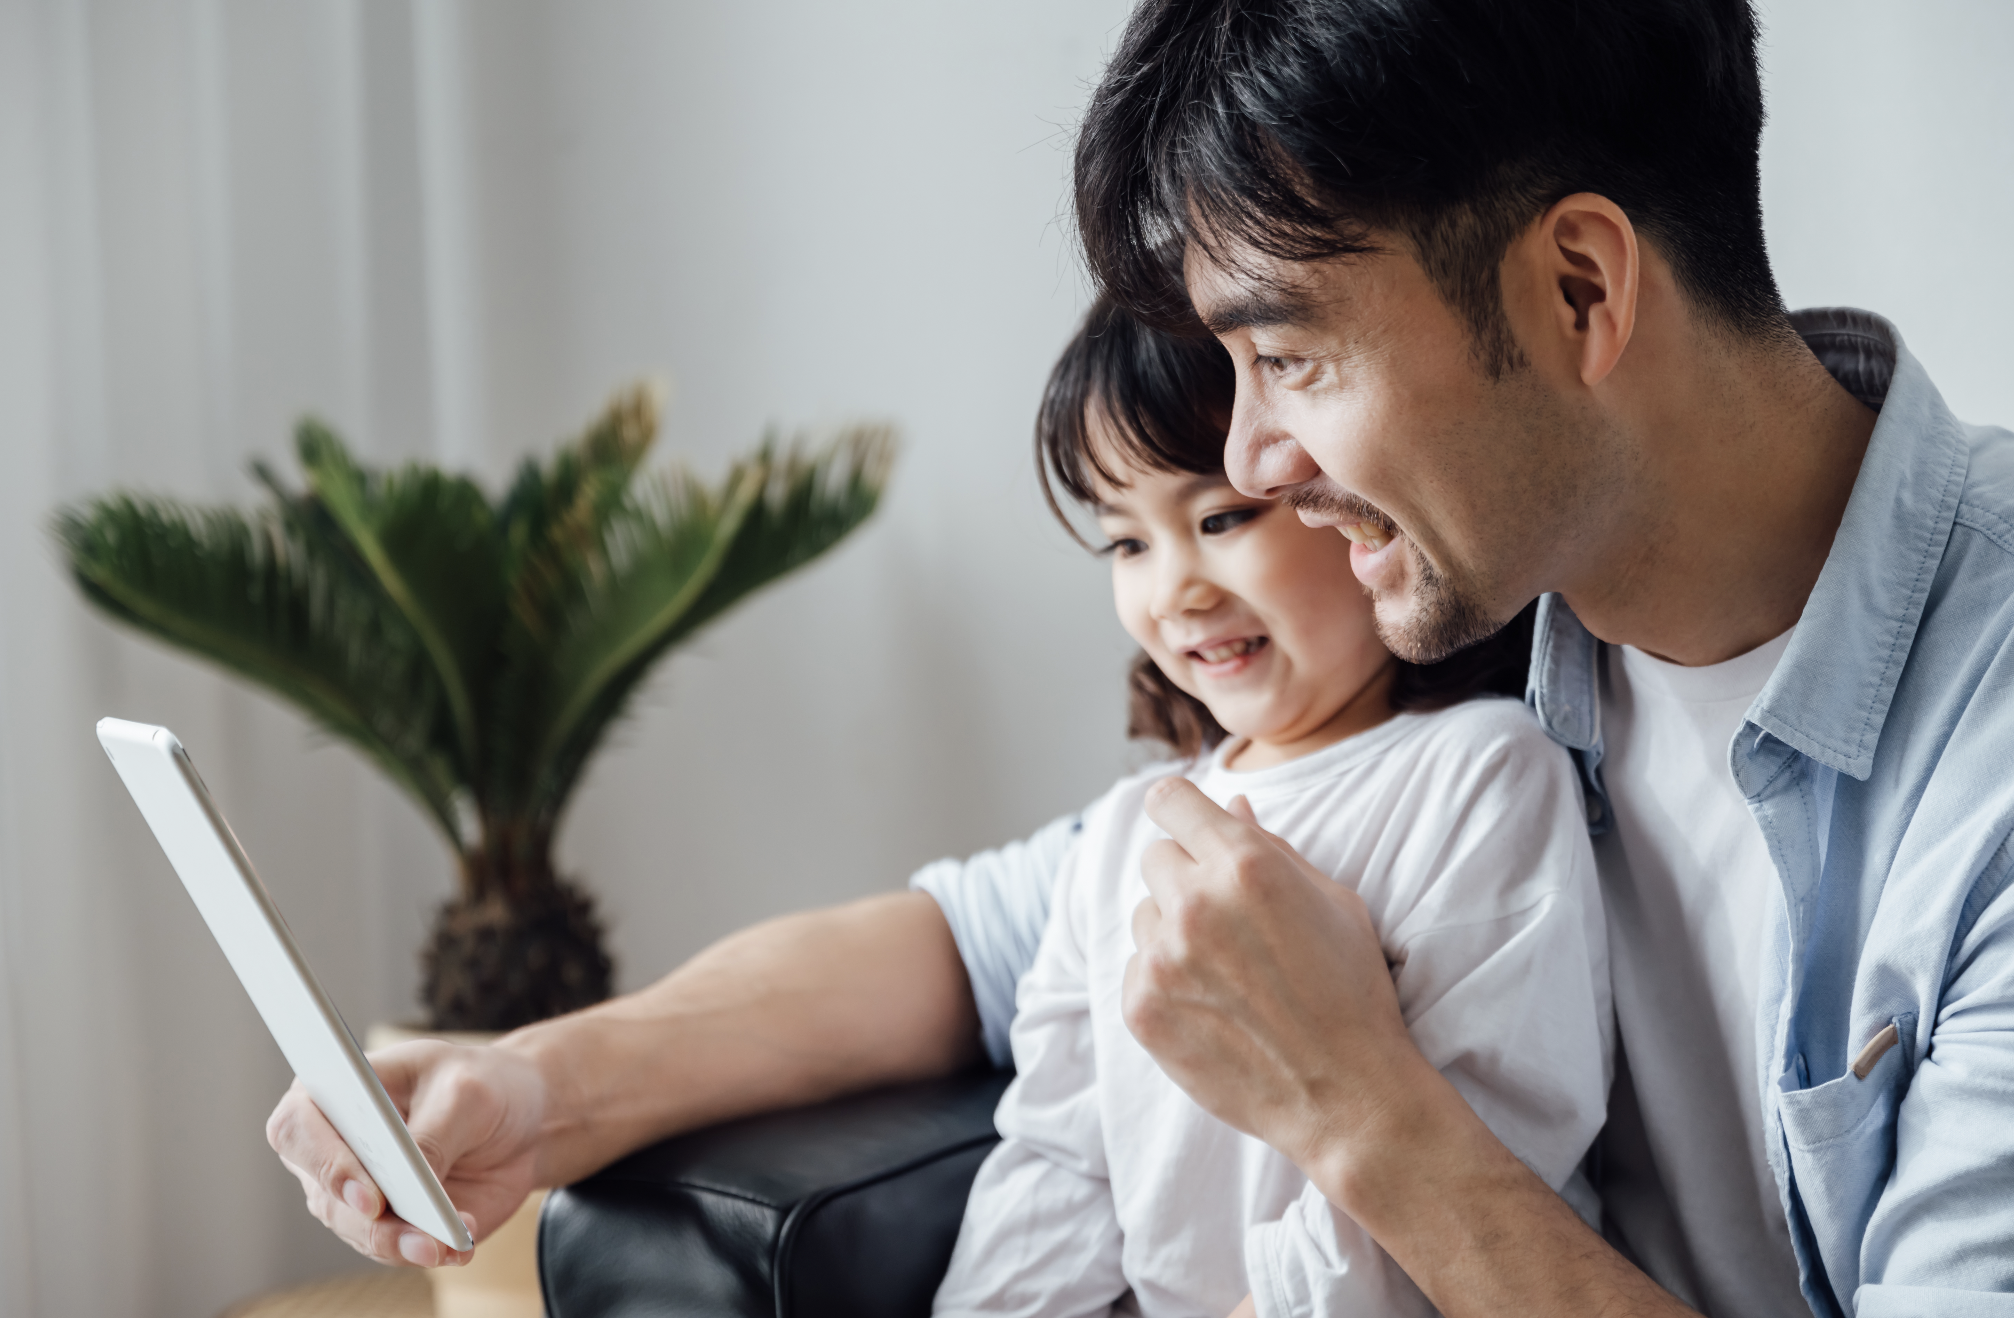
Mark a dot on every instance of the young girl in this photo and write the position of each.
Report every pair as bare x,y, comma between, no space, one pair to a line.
1455,819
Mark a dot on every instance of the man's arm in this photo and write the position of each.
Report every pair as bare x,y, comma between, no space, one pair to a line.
789,1012
1260,987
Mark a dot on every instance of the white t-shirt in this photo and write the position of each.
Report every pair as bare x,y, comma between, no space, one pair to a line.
1463,832
1687,880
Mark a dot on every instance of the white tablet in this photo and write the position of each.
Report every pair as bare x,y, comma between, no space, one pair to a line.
204,851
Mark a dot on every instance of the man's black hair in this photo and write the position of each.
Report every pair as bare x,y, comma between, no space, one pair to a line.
1303,128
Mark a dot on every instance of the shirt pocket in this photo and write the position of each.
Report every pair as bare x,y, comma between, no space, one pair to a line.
1840,1138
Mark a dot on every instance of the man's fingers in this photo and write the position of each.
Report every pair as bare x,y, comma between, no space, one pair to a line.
1166,869
451,1112
1240,809
422,1250
376,1236
341,1194
1203,839
1198,825
1146,921
392,1239
312,1149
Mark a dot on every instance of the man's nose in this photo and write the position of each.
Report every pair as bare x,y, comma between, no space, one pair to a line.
1261,455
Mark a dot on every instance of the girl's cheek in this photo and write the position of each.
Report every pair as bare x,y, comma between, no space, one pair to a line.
1131,596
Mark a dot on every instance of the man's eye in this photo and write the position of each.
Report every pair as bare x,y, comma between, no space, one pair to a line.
1218,523
1125,547
1286,370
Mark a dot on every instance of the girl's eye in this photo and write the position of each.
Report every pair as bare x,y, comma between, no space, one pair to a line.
1218,523
1125,547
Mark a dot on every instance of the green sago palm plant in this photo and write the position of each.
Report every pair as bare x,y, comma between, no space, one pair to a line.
477,651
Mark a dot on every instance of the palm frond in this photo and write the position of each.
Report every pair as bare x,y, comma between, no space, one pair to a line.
775,513
430,542
658,554
553,516
252,594
470,651
810,502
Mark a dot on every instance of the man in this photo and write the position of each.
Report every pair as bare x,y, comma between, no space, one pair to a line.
1493,278
1494,282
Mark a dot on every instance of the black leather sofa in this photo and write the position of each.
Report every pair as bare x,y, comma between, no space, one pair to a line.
843,1210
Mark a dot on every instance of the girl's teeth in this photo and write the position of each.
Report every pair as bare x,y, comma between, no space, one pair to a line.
1217,654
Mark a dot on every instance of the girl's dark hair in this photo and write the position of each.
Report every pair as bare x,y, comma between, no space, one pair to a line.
1164,402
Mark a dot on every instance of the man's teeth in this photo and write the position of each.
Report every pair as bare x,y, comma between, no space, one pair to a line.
1363,533
1217,654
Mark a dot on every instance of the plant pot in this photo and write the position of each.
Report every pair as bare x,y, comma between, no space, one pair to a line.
501,1281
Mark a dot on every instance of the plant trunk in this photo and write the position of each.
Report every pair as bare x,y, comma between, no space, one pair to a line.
518,945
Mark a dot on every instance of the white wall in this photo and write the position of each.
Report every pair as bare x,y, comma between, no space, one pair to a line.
452,228
1888,176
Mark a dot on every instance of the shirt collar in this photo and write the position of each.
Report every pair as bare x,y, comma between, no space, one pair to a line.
1830,695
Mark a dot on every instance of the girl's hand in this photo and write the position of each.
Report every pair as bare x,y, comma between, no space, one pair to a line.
1245,1309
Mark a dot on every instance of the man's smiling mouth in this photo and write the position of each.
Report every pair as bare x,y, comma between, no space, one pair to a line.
1360,521
1370,536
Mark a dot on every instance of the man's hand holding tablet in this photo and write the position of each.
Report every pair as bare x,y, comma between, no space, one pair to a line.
364,1151
474,1112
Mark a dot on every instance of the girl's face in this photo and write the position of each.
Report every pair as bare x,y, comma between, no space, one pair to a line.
1245,608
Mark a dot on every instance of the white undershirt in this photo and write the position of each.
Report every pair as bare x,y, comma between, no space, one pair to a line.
1688,882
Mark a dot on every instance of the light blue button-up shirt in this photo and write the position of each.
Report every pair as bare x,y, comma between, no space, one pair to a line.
1879,763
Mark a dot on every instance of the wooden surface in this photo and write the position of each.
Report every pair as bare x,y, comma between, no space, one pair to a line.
392,1293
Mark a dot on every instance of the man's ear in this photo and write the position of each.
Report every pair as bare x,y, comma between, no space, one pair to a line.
1582,258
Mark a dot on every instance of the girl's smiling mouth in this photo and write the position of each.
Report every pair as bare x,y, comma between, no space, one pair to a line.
1221,658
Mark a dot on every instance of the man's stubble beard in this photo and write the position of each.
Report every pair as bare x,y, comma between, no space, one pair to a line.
1445,616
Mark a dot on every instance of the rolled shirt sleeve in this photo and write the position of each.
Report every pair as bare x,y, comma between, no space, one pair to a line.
1041,1235
997,904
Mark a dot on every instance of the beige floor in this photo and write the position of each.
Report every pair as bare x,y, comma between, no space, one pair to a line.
401,1293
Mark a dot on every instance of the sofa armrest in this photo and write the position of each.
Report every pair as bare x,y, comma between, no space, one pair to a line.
845,1208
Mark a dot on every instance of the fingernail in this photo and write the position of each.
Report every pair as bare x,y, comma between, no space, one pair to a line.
417,1249
358,1196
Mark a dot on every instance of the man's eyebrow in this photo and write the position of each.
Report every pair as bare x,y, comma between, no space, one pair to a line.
1266,310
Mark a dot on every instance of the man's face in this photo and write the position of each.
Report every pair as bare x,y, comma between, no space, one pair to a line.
1361,403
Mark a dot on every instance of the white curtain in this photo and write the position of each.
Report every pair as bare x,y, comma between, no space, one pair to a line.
200,241
451,228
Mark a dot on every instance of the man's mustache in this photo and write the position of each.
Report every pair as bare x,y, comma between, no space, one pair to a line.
1338,504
